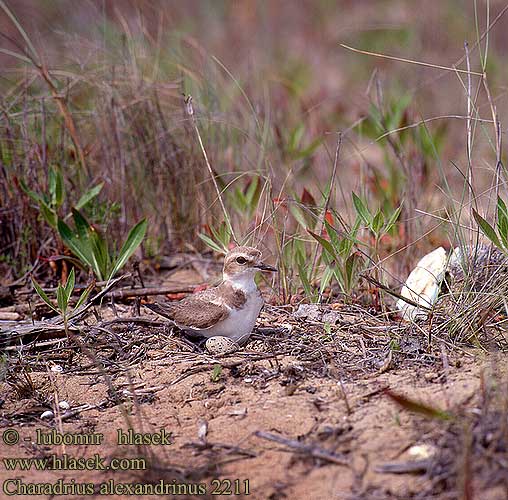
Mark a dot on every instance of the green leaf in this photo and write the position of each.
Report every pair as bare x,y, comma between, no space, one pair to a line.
82,226
208,241
238,200
487,229
32,194
502,221
251,190
74,243
42,294
353,263
393,219
86,242
99,250
69,286
89,196
134,239
49,215
326,278
308,151
84,295
378,222
325,194
61,298
296,137
299,251
52,184
362,210
59,189
47,212
501,206
304,278
222,234
334,237
298,215
324,243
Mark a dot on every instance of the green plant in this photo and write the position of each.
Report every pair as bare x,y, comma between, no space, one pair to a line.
220,238
296,253
92,249
342,261
499,237
216,373
295,269
327,329
377,223
294,147
49,203
245,201
63,295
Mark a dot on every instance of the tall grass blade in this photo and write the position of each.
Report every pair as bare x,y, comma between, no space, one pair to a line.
20,29
208,241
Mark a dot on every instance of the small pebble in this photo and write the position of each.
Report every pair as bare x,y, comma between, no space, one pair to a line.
47,414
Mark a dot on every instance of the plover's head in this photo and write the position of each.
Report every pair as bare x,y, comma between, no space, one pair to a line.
244,262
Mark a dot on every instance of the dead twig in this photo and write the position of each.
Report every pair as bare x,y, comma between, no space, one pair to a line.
304,449
139,292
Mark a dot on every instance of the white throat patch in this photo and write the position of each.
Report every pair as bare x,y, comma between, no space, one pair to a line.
243,281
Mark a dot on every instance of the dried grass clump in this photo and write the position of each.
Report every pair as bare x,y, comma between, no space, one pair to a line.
474,307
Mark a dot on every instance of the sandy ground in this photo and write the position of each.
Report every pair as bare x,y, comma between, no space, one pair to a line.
323,395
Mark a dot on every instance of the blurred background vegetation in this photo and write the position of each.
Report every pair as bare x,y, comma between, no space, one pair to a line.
292,123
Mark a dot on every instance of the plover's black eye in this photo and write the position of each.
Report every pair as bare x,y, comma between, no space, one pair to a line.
241,260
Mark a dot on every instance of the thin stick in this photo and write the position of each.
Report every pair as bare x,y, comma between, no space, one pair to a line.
411,61
306,449
469,136
190,111
328,198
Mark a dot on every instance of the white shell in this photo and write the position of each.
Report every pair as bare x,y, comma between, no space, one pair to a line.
423,284
422,451
220,345
47,414
63,405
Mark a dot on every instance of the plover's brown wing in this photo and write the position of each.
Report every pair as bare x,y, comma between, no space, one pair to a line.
166,310
199,311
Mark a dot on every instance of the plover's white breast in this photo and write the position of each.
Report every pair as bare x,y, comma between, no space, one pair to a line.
240,321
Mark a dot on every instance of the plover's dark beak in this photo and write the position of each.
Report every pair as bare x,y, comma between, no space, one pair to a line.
265,267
